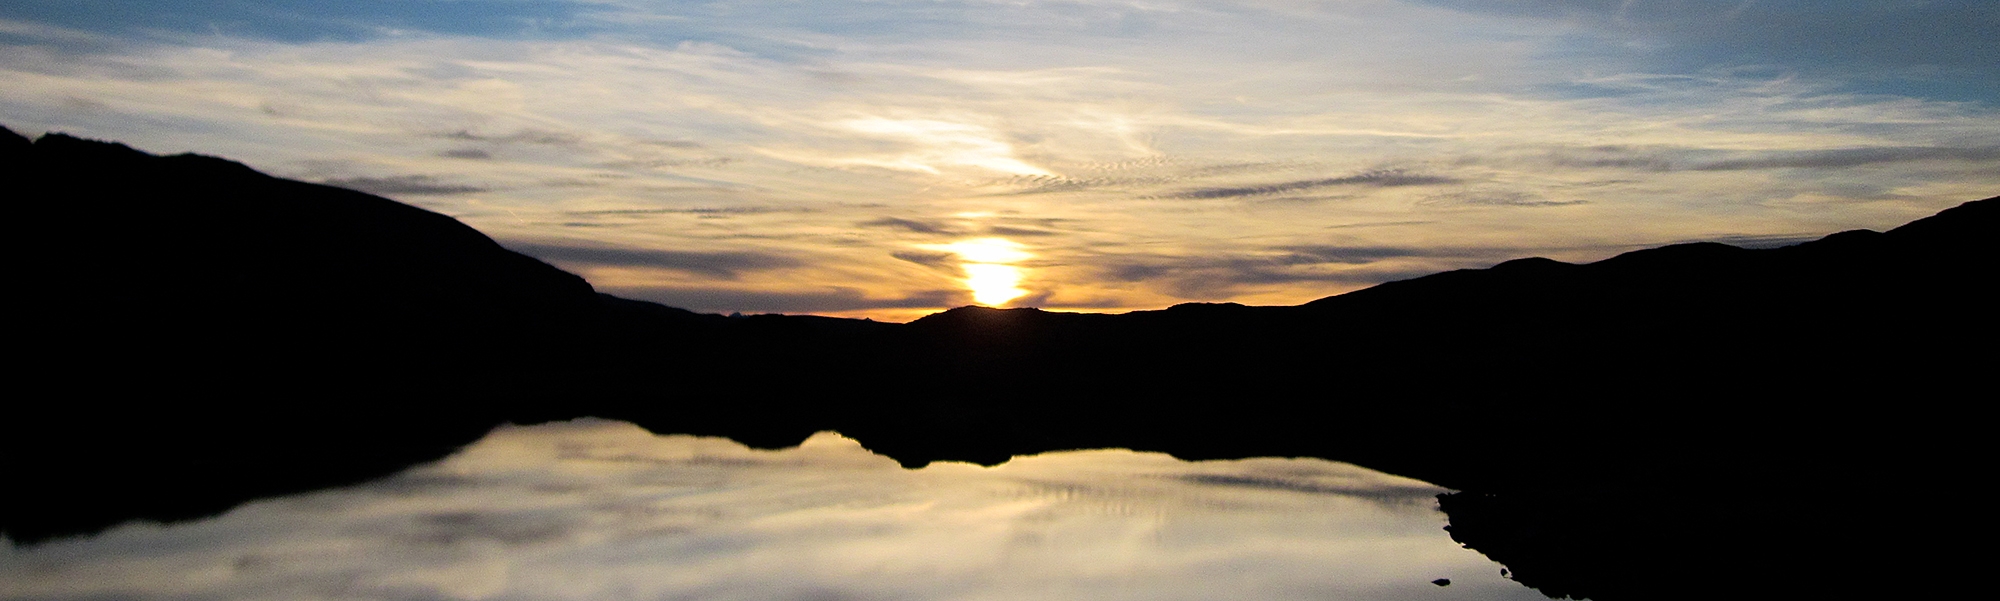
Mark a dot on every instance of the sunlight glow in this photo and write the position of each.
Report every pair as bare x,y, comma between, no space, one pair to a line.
992,284
989,270
987,250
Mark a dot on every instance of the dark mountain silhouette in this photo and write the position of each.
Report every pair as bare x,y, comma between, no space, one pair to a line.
1654,425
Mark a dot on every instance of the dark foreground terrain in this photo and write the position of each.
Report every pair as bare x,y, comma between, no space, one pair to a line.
1693,420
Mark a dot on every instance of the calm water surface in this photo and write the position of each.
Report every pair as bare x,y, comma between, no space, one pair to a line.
604,510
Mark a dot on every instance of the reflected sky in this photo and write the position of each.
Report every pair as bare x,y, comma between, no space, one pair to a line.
768,156
604,510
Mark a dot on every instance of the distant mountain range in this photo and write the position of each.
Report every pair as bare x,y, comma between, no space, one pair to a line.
194,334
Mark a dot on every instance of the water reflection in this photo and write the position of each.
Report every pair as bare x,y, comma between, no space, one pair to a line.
604,510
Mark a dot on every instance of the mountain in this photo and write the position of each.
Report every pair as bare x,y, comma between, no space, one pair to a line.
197,334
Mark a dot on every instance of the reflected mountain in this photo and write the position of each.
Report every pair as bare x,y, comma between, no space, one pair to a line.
197,334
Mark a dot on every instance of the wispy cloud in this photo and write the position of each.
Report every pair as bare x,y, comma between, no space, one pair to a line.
529,136
396,185
1663,159
920,226
1874,42
1495,198
1213,277
1853,157
722,265
1377,179
308,21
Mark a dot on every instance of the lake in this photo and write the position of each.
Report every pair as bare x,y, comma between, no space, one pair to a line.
594,509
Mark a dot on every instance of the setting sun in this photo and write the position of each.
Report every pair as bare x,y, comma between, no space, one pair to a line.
992,284
989,267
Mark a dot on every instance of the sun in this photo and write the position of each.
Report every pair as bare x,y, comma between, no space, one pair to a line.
990,268
993,285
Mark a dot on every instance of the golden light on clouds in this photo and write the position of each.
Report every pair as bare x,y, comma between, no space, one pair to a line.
936,143
990,270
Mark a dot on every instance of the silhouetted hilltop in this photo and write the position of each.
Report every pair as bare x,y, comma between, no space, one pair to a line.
199,334
196,326
14,145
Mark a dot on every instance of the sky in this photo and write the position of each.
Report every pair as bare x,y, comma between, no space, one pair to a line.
604,510
889,159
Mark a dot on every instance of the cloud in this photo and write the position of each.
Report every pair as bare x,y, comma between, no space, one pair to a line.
933,144
1676,159
1872,39
938,260
1380,179
1852,157
704,162
723,265
1343,226
1137,174
1657,160
824,300
702,211
1218,276
1495,198
1758,240
1019,232
526,136
402,184
310,20
1050,184
454,528
1264,275
466,153
910,225
1392,494
1357,255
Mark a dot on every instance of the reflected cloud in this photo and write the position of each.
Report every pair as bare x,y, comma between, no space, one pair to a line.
594,509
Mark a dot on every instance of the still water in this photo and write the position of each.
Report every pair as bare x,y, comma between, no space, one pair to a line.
604,510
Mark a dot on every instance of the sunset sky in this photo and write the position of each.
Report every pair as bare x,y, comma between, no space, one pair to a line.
872,158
